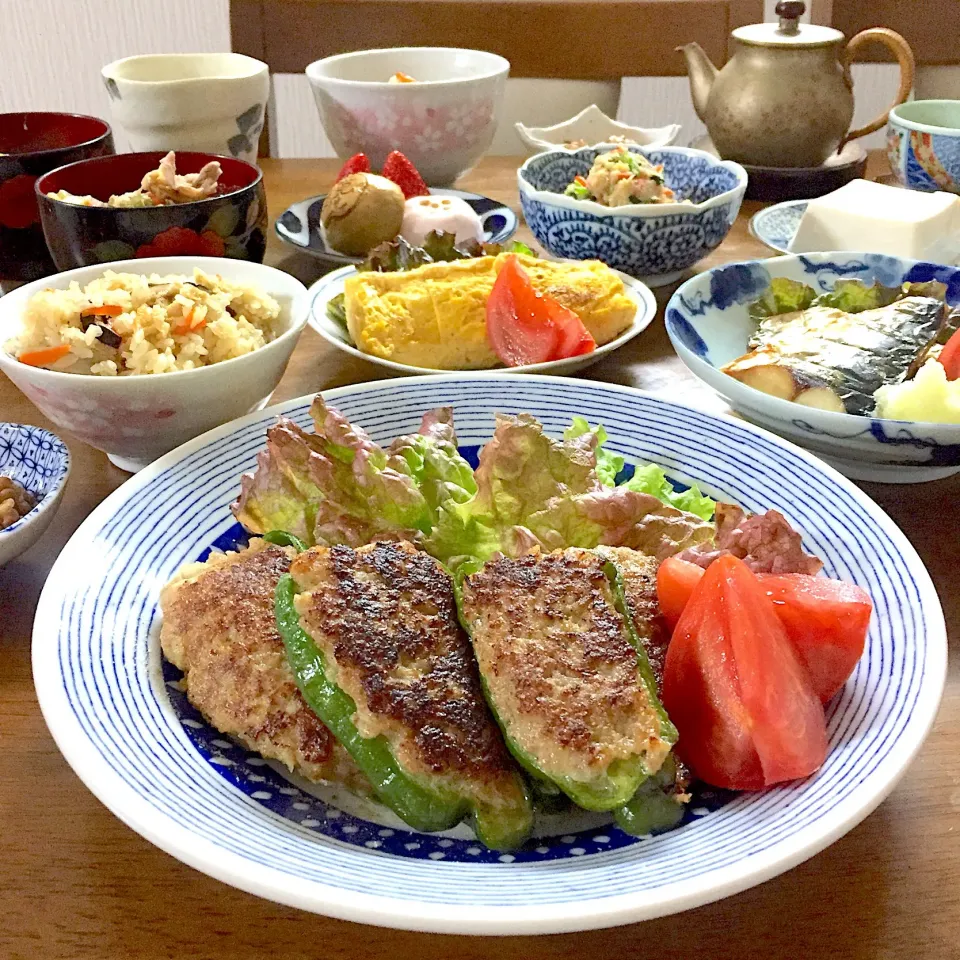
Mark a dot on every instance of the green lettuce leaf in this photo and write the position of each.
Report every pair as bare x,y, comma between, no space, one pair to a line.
337,486
646,479
533,491
782,296
651,479
854,296
399,254
337,310
609,464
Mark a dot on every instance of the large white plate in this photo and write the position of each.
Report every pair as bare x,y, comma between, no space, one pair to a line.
126,729
331,284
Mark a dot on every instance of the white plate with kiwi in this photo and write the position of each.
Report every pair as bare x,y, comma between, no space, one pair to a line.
331,325
299,224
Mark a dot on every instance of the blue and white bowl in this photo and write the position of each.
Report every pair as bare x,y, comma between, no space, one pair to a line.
40,462
923,144
708,322
120,716
654,242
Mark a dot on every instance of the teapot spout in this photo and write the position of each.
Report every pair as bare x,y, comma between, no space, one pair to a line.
702,74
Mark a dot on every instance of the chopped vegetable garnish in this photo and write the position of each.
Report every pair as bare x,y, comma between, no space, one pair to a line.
104,310
40,358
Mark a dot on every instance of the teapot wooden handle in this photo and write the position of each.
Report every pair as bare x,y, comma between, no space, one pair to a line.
901,50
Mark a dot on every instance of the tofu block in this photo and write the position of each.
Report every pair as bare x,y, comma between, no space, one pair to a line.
876,218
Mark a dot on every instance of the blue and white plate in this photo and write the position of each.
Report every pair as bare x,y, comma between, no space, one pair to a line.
777,225
708,321
299,224
331,285
118,713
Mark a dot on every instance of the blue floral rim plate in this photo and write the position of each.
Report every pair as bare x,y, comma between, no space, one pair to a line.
331,285
777,225
299,224
120,718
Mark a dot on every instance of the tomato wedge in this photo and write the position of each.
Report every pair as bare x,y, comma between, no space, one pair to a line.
742,702
950,357
826,621
524,326
676,580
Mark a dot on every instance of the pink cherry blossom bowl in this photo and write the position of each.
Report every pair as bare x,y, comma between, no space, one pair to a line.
444,121
136,418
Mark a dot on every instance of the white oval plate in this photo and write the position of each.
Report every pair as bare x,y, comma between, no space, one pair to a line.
331,284
122,723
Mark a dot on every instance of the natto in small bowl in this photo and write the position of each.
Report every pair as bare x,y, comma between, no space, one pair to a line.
40,462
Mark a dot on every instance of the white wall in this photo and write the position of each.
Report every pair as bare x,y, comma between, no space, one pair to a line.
51,52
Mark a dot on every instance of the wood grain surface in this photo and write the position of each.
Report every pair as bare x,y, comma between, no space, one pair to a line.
289,34
77,883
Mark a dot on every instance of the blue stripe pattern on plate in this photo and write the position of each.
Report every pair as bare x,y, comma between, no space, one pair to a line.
99,635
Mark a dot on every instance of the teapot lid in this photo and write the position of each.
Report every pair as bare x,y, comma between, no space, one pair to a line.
789,31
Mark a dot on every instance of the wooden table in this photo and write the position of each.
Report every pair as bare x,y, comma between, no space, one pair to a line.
76,883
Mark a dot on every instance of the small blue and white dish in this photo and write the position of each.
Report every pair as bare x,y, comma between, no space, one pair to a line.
40,462
654,242
299,224
119,714
709,325
777,225
923,144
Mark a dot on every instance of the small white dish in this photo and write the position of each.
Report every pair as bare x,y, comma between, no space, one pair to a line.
135,419
331,285
594,127
40,462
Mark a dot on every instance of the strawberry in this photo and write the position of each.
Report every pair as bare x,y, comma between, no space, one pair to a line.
358,163
405,175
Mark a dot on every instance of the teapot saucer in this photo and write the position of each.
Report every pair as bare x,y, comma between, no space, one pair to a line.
773,184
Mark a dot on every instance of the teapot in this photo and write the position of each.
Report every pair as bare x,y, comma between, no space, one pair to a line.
785,97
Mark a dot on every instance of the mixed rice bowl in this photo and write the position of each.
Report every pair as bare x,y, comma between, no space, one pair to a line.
123,324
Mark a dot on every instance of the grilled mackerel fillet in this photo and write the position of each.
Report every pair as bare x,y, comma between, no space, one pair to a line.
826,358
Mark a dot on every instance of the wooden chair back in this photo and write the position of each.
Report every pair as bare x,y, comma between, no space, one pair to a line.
601,40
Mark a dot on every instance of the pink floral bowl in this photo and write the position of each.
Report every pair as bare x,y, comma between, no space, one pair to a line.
444,122
135,419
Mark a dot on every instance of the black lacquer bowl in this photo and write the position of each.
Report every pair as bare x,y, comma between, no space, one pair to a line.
230,224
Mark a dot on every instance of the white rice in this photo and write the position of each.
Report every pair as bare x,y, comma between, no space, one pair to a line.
167,323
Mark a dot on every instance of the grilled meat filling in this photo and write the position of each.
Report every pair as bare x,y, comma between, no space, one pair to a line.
385,621
219,629
562,673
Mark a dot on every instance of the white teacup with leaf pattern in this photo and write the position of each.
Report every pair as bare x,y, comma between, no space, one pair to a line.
211,102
